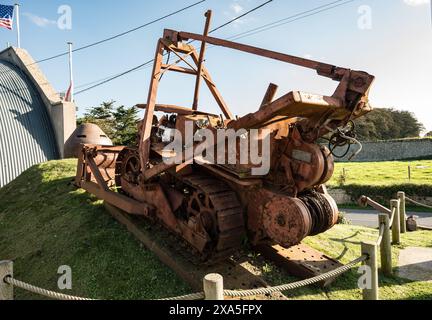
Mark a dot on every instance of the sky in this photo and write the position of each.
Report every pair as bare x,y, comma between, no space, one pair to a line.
391,39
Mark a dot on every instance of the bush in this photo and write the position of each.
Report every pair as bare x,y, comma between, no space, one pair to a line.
383,194
343,219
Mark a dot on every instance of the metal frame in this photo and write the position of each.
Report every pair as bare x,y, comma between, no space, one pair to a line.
350,94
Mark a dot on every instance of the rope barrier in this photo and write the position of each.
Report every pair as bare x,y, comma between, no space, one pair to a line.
418,203
381,234
296,285
189,297
201,295
42,292
393,215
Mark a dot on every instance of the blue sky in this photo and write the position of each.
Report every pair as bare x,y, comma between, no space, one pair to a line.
397,49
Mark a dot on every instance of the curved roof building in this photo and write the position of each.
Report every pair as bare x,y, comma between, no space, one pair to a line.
34,121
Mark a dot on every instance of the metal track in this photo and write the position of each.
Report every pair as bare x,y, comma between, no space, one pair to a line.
228,212
166,247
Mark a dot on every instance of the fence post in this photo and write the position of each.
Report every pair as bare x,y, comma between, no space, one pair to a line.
403,217
395,204
6,290
386,246
370,249
213,287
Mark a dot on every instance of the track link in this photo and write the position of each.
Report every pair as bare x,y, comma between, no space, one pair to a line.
227,211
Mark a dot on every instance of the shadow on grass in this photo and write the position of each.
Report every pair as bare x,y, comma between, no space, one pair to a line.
344,241
45,222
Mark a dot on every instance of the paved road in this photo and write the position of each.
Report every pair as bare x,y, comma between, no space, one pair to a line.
369,218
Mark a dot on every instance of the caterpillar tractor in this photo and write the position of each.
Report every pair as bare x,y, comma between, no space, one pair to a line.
215,207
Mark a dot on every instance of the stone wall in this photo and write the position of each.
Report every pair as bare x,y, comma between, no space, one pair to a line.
392,150
343,198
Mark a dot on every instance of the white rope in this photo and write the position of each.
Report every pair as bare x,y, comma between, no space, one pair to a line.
189,297
42,292
201,295
418,203
381,234
393,215
296,285
60,296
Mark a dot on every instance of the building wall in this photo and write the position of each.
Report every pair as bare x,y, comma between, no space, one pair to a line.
35,122
61,113
26,133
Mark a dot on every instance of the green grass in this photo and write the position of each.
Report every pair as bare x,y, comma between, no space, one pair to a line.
343,243
45,223
383,180
384,173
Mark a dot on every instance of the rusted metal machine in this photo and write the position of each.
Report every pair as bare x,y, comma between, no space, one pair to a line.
214,207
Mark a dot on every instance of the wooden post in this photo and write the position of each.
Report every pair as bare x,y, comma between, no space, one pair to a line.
6,290
403,217
370,249
213,287
395,204
386,246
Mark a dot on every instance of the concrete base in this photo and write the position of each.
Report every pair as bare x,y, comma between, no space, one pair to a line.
416,264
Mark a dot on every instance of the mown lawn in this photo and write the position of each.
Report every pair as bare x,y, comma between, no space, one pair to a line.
384,173
46,223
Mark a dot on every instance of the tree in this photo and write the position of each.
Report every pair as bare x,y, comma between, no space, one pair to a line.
126,125
429,134
119,124
388,124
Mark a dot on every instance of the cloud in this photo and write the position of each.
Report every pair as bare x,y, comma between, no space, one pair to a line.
39,21
416,3
237,8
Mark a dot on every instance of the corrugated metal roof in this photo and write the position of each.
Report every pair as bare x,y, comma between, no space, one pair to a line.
26,134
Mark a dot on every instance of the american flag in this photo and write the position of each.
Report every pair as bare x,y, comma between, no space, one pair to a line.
6,16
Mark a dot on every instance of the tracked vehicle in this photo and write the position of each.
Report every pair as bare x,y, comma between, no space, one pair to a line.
215,207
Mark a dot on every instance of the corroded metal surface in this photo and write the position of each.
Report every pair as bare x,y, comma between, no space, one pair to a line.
215,207
181,261
301,261
87,133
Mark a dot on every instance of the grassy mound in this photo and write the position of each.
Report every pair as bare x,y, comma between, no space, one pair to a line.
46,223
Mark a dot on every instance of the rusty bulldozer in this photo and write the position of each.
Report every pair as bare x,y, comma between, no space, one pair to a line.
215,207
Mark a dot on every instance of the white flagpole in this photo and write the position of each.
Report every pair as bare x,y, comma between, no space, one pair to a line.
17,6
72,85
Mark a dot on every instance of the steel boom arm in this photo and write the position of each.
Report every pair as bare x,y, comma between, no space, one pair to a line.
323,69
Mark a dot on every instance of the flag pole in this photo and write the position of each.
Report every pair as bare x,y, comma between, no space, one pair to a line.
71,72
17,10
